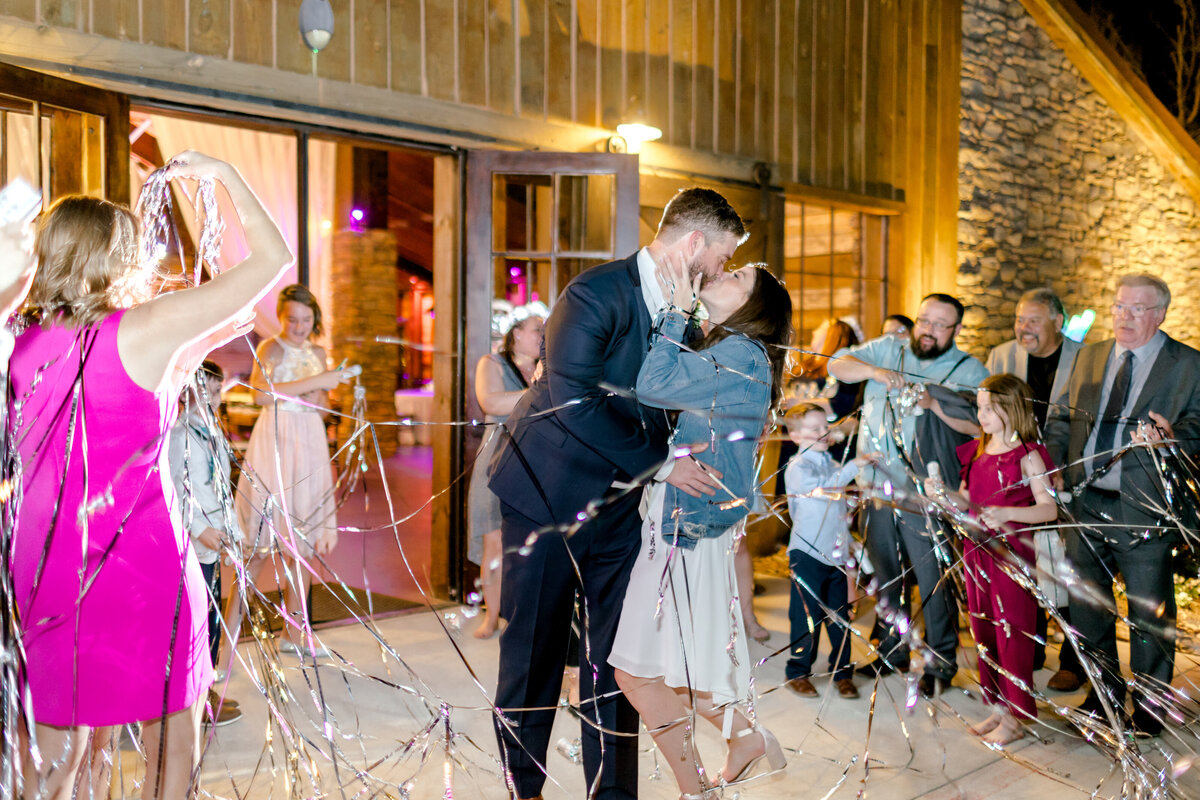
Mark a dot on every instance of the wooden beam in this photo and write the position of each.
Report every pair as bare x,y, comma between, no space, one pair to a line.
844,200
1127,94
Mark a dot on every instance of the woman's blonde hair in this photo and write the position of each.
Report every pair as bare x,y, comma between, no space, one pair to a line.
1013,399
87,253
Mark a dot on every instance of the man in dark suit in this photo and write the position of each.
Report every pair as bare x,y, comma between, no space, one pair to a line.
1136,388
577,449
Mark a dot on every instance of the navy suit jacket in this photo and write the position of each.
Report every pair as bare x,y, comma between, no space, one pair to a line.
568,438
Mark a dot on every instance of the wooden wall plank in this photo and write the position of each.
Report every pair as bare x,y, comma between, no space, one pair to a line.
837,96
22,9
291,53
473,56
805,114
502,56
587,63
876,97
682,54
612,58
765,121
441,61
371,43
559,70
408,74
208,27
167,26
63,13
746,119
115,19
703,75
855,57
658,47
785,90
822,88
333,63
727,70
533,58
635,101
250,22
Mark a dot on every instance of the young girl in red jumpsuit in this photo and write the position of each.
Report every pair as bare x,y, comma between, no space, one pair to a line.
1006,487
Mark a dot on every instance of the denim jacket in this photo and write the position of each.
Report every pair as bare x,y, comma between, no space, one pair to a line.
724,395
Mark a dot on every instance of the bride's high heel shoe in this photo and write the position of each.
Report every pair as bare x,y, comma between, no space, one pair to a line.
772,752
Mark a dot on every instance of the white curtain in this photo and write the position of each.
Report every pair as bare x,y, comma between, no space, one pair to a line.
268,163
322,167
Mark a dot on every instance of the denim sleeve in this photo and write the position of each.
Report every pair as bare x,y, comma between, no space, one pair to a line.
672,377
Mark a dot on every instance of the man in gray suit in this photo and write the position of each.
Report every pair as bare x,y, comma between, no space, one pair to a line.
1042,357
1124,395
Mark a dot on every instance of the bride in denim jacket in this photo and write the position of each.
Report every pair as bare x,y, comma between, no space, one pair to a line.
680,648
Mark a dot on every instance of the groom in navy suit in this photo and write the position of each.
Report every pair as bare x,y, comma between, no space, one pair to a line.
568,469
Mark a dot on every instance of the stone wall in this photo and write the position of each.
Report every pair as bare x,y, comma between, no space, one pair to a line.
1055,189
364,293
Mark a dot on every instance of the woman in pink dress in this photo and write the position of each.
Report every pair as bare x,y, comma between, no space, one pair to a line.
109,593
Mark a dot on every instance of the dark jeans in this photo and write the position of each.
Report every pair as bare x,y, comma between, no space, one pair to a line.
892,536
537,596
815,588
1146,564
212,579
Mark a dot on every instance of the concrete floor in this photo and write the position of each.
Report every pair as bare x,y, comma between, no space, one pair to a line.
409,677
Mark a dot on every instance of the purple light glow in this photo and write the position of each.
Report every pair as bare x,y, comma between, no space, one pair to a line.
514,271
357,214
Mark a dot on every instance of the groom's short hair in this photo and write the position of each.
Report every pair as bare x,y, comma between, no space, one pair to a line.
700,210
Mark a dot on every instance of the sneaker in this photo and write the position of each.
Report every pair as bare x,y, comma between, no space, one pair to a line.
214,700
225,715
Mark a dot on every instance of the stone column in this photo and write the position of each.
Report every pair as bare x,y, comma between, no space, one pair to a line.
364,307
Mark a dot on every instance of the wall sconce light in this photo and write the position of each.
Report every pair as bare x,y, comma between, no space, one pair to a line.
316,24
637,133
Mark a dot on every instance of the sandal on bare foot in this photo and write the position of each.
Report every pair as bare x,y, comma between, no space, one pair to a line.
757,632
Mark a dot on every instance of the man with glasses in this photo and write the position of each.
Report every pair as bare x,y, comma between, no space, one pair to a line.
1042,357
1125,395
888,426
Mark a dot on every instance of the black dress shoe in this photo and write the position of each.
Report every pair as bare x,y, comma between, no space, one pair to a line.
1145,723
879,667
931,685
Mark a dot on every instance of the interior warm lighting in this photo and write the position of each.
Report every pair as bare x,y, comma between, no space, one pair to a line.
636,133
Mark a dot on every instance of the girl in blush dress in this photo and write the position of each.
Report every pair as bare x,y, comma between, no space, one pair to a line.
108,589
1005,485
285,503
680,648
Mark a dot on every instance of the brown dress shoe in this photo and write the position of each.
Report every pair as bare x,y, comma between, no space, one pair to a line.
802,687
847,689
1064,681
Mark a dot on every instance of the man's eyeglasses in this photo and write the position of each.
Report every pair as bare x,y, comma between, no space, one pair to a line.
1136,310
922,322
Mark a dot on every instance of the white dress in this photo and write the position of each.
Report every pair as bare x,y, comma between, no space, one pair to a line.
682,618
288,455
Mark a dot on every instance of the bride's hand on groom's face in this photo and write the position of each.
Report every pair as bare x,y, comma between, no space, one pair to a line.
694,477
679,289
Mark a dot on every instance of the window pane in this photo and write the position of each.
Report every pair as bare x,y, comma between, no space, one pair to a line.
585,213
20,142
845,250
521,280
521,209
568,268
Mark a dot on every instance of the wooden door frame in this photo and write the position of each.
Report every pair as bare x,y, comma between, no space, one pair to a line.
113,107
475,308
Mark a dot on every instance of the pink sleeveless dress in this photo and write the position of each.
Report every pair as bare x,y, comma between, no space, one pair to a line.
110,595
